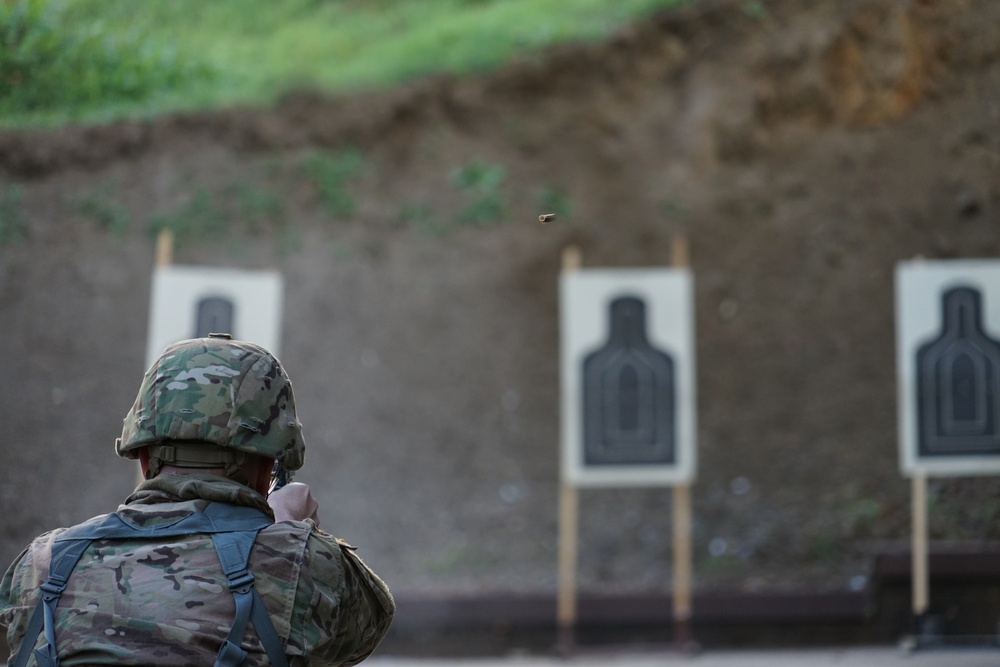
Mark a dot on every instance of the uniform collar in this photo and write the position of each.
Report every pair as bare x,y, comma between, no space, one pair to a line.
169,487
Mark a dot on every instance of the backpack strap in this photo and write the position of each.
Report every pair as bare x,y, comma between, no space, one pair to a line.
233,548
233,530
234,553
65,555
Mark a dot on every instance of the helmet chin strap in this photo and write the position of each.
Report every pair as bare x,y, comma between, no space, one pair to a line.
184,454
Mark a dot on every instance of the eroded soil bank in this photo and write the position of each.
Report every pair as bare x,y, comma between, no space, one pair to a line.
801,152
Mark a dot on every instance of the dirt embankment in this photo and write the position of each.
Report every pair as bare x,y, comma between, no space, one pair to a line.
802,150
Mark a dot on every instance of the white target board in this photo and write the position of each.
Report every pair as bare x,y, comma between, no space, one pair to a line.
628,377
191,302
948,366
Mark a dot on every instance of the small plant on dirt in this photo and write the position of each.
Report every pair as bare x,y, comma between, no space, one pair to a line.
673,209
259,206
98,206
199,219
289,241
421,218
553,200
859,516
332,173
755,9
481,183
12,222
824,548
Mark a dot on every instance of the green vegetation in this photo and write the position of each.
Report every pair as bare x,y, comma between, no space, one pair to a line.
100,207
755,9
200,218
673,209
825,548
421,218
259,205
99,59
481,182
332,173
208,215
553,200
54,60
289,241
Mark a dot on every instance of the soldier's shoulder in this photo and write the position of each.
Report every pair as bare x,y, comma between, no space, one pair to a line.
31,567
324,543
41,546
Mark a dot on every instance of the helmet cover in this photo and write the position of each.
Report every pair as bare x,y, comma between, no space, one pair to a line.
229,393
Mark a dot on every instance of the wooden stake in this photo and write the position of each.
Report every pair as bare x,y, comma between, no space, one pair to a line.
566,604
568,538
164,247
572,258
682,563
681,524
679,252
920,574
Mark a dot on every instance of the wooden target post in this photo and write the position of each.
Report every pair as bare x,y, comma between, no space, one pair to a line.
569,522
164,247
681,525
920,583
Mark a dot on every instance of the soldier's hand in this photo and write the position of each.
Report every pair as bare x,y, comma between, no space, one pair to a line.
294,502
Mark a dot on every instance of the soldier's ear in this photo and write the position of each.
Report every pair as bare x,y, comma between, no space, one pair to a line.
264,475
144,461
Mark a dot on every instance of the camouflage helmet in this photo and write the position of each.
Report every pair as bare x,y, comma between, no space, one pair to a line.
215,391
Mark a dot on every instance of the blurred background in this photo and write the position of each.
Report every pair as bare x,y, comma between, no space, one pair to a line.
390,159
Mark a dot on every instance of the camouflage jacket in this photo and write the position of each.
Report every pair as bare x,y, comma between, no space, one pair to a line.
167,602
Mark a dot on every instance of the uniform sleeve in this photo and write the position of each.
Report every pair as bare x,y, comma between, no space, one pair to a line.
13,612
342,608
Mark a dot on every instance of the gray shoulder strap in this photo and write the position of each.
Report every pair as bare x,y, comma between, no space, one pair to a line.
234,554
233,530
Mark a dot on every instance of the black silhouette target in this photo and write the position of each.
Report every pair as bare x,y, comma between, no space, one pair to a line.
215,315
628,377
629,394
958,382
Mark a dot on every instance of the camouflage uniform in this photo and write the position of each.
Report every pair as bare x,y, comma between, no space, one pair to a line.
145,603
204,403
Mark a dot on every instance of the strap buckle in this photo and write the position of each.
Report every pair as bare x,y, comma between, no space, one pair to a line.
52,588
241,582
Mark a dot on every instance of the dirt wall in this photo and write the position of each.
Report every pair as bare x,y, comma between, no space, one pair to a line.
802,151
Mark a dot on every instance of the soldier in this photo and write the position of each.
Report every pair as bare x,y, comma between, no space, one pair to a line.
200,551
